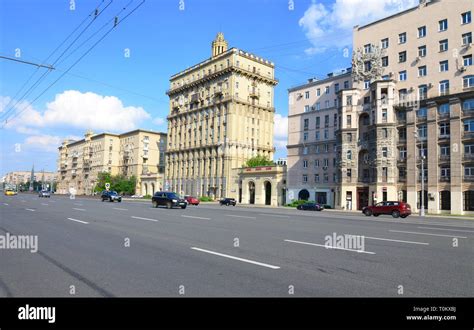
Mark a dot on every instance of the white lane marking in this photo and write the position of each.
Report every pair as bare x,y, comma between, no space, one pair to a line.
5,204
78,204
84,222
239,216
44,204
274,215
30,210
190,216
328,247
396,240
464,231
118,208
78,209
236,258
144,219
429,234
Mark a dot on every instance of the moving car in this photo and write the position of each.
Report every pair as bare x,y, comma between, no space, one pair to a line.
111,196
44,193
310,206
192,200
396,209
227,201
168,199
10,192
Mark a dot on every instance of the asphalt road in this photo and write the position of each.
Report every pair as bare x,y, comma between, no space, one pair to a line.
212,251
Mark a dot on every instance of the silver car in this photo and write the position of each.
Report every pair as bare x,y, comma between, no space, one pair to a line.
44,193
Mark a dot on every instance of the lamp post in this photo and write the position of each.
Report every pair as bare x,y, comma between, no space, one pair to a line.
422,204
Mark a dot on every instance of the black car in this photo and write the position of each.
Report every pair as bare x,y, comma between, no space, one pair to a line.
308,206
110,196
168,199
227,201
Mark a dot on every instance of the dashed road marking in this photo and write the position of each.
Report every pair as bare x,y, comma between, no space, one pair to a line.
236,258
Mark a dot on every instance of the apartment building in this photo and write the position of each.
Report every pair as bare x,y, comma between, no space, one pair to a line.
412,98
138,153
22,177
312,125
221,114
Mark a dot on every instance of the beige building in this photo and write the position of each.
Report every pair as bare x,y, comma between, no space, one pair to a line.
221,114
138,153
409,75
262,185
22,177
312,126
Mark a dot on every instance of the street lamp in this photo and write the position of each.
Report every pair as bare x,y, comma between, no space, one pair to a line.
422,205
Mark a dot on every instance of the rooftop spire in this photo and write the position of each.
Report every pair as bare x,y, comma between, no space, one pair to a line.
219,45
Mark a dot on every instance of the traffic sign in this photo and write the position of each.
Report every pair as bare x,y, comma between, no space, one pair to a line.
107,186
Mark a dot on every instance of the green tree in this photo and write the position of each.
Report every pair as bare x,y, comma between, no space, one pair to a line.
118,183
258,160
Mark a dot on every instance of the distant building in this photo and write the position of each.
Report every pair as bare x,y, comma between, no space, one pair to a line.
138,153
22,177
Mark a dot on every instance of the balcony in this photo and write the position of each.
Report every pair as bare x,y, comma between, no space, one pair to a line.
254,93
145,156
364,179
444,158
469,178
444,179
468,156
195,98
126,155
402,179
468,135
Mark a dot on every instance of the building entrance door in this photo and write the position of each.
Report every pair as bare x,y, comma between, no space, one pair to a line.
362,198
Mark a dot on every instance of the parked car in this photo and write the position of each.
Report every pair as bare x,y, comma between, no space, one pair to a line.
111,196
10,192
309,206
192,200
396,209
168,199
228,201
44,193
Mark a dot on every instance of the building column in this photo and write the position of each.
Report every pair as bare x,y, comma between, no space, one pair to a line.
432,161
456,128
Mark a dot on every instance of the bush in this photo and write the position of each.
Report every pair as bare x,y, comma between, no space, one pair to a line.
205,199
327,206
147,196
295,203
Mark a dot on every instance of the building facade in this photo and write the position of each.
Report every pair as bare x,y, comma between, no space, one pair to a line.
22,177
312,126
221,114
138,153
411,100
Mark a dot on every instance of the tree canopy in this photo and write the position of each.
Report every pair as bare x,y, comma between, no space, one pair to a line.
118,183
258,160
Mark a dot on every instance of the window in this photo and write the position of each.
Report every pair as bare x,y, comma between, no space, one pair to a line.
402,57
305,163
336,88
318,92
318,106
326,162
467,60
316,149
305,150
316,178
384,115
366,84
326,134
367,66
306,95
326,147
316,163
385,61
444,150
384,133
444,129
327,90
349,120
402,75
306,124
422,92
466,17
468,81
422,32
317,136
445,172
318,120
326,121
403,153
384,152
326,104
402,38
422,51
422,71
349,137
349,155
346,83
306,108
443,66
444,87
349,173
384,43
468,105
443,108
469,149
467,38
422,131
469,200
443,45
422,112
469,125
469,171
443,25
305,136
305,178
367,49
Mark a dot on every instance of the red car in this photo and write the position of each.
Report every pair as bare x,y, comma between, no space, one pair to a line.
192,200
396,209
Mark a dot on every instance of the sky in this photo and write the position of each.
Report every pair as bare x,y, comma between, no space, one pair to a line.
120,84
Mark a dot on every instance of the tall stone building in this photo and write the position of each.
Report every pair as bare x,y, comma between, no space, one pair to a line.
221,114
138,153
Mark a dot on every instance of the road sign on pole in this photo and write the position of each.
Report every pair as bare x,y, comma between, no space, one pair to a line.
107,186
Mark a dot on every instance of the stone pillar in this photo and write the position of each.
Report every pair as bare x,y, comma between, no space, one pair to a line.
456,127
431,162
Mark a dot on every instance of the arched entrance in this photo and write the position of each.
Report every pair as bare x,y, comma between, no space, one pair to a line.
303,195
152,188
252,192
145,189
268,192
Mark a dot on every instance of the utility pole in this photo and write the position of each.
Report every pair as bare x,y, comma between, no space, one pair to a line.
422,204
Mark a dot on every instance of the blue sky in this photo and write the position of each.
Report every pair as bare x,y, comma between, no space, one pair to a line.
109,91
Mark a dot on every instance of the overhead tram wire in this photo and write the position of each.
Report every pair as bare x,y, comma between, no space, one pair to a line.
96,14
51,54
116,23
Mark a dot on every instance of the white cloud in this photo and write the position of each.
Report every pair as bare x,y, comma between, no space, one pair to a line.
159,121
43,142
82,110
280,132
330,26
